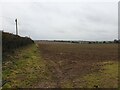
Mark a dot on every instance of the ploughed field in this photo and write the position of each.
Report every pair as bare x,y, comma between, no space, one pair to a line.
81,65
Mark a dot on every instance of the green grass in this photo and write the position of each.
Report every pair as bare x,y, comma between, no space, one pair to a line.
106,77
25,68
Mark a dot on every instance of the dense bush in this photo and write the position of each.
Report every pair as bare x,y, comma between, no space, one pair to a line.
11,41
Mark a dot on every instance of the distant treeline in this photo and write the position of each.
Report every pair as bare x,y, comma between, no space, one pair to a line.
81,42
11,41
89,42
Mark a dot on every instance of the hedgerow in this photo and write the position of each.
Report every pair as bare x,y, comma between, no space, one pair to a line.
11,41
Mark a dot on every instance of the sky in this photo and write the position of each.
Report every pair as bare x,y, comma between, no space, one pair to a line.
61,19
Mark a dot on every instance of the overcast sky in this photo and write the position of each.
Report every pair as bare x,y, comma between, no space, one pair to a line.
62,20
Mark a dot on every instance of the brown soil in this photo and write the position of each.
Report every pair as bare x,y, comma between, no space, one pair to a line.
68,62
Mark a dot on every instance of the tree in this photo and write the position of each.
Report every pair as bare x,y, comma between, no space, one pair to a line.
116,41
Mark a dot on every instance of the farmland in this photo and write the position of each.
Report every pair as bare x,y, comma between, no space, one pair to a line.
82,65
63,65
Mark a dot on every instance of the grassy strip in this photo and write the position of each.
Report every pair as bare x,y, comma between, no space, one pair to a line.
106,77
25,68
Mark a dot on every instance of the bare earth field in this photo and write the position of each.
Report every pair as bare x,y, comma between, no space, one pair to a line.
81,65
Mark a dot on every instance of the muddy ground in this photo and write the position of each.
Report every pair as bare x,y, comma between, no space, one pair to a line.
68,63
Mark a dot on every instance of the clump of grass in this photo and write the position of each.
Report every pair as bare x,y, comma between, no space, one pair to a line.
67,84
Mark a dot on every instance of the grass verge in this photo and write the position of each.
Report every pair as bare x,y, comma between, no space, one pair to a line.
25,68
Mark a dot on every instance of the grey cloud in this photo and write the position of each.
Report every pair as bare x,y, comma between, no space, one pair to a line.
81,21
